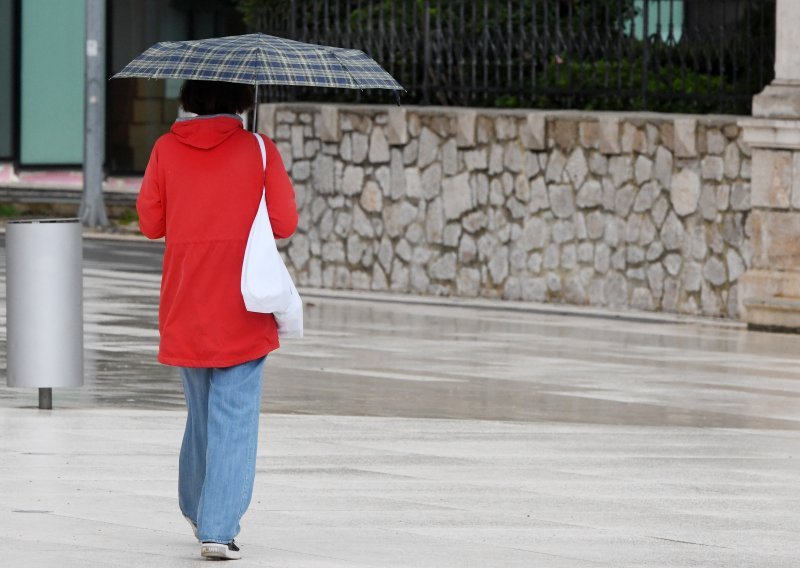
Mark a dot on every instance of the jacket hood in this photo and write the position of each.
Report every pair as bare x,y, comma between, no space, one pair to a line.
206,132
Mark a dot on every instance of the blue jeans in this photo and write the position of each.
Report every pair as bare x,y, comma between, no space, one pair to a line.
218,455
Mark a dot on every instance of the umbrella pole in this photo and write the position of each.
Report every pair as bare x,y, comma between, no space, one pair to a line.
255,112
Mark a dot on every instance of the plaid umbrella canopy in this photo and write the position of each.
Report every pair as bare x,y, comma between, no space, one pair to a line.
260,59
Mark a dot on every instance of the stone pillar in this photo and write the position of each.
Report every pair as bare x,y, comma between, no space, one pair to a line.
769,292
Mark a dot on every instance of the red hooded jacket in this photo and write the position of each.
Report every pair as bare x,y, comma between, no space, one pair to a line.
201,191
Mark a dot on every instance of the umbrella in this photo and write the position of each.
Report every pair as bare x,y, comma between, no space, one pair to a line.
260,59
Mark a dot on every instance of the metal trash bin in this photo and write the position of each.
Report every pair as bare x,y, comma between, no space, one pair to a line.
44,305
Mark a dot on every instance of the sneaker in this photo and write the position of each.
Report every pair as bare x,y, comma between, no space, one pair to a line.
220,551
194,527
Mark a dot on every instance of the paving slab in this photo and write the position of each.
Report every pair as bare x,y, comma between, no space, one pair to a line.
419,434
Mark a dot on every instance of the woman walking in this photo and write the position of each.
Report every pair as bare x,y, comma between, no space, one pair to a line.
201,191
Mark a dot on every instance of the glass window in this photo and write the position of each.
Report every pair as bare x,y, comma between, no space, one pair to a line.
6,78
664,18
52,84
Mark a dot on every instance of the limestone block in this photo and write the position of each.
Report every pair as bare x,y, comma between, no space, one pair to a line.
413,183
496,159
643,169
450,157
732,161
609,135
362,224
398,216
534,132
378,146
586,253
692,277
538,199
534,289
774,239
714,271
467,249
403,250
589,134
505,127
647,232
555,166
655,279
654,251
628,138
534,234
328,128
621,169
772,179
428,147
457,196
532,166
708,202
577,168
562,200
398,174
735,265
598,164
623,200
465,128
595,225
266,119
685,192
301,171
712,168
672,233
740,196
602,258
642,299
616,290
522,188
648,193
399,276
476,159
723,197
397,128
468,282
322,174
360,147
498,265
432,181
563,231
590,194
685,132
564,133
796,180
715,141
553,282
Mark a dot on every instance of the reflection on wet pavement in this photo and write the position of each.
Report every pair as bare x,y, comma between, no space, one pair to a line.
377,358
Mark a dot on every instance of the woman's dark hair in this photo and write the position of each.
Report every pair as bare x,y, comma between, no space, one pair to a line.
216,97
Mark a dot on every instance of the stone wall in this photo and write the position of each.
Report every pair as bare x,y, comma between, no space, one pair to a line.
647,211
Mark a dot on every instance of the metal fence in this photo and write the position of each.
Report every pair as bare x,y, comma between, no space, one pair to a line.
672,55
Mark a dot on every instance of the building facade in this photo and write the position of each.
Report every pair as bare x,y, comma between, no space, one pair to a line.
42,77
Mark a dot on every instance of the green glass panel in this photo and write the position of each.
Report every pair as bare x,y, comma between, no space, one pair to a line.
6,77
665,18
52,76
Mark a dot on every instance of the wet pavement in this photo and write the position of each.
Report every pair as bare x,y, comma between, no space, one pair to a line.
378,358
425,434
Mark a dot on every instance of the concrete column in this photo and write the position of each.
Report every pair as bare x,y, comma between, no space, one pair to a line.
769,292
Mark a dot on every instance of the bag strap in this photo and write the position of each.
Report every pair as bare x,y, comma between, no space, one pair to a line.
263,159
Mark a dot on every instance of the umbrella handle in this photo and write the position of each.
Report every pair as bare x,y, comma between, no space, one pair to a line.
255,111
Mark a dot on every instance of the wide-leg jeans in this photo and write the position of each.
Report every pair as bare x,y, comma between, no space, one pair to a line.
218,454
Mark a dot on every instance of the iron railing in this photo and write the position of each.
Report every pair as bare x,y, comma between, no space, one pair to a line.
673,55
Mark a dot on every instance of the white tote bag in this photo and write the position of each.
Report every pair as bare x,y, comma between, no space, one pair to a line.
267,286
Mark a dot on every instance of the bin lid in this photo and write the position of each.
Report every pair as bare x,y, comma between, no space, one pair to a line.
71,220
